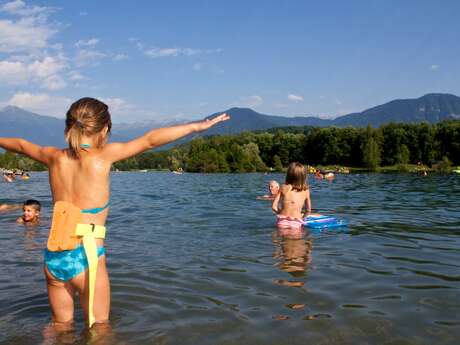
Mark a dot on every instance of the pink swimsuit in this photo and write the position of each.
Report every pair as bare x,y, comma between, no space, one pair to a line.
288,222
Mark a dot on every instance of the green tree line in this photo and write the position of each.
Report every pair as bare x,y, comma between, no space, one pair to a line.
9,160
388,145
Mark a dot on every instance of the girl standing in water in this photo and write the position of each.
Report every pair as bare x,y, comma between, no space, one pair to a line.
294,195
79,177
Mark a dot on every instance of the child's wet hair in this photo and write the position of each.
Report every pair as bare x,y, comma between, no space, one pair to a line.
87,116
34,203
297,176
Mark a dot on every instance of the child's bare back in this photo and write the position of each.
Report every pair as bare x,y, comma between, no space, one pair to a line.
293,201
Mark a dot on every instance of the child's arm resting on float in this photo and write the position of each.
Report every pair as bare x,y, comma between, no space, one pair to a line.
13,207
276,202
307,204
36,152
158,137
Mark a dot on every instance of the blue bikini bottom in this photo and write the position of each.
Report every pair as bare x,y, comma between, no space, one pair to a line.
66,264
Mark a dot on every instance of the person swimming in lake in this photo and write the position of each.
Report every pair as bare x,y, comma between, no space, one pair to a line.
294,194
31,212
9,177
25,175
273,189
9,207
318,174
79,178
329,176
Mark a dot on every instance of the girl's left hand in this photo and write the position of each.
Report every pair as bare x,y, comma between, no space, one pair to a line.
208,123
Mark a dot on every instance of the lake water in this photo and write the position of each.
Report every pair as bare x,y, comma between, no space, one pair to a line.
196,259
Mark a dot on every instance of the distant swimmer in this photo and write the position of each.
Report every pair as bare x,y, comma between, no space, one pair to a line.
273,189
25,175
9,177
329,176
318,175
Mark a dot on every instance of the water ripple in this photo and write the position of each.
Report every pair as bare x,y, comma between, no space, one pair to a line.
195,258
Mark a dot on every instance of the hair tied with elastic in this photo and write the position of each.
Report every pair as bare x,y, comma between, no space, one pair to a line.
79,124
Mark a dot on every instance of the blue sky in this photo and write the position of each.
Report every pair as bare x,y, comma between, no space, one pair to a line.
188,59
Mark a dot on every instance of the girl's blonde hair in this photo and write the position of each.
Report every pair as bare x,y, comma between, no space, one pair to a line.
87,116
297,177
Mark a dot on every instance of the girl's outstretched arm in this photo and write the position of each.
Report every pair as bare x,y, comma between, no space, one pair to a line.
158,137
36,152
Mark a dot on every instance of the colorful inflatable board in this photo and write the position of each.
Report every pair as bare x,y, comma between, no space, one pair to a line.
319,221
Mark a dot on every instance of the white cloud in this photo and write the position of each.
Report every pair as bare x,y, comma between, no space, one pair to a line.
89,43
87,57
53,83
190,51
172,52
29,57
45,72
13,72
30,32
19,7
27,40
294,98
249,101
24,35
118,106
120,57
12,6
434,67
76,76
41,103
47,67
157,52
161,52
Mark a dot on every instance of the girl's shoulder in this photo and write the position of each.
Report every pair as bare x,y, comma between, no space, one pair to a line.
59,153
286,189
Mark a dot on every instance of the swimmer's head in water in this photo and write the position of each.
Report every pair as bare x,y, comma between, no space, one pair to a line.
87,117
297,176
31,209
273,187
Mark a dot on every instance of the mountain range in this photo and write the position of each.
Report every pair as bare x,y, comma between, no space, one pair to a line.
431,108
